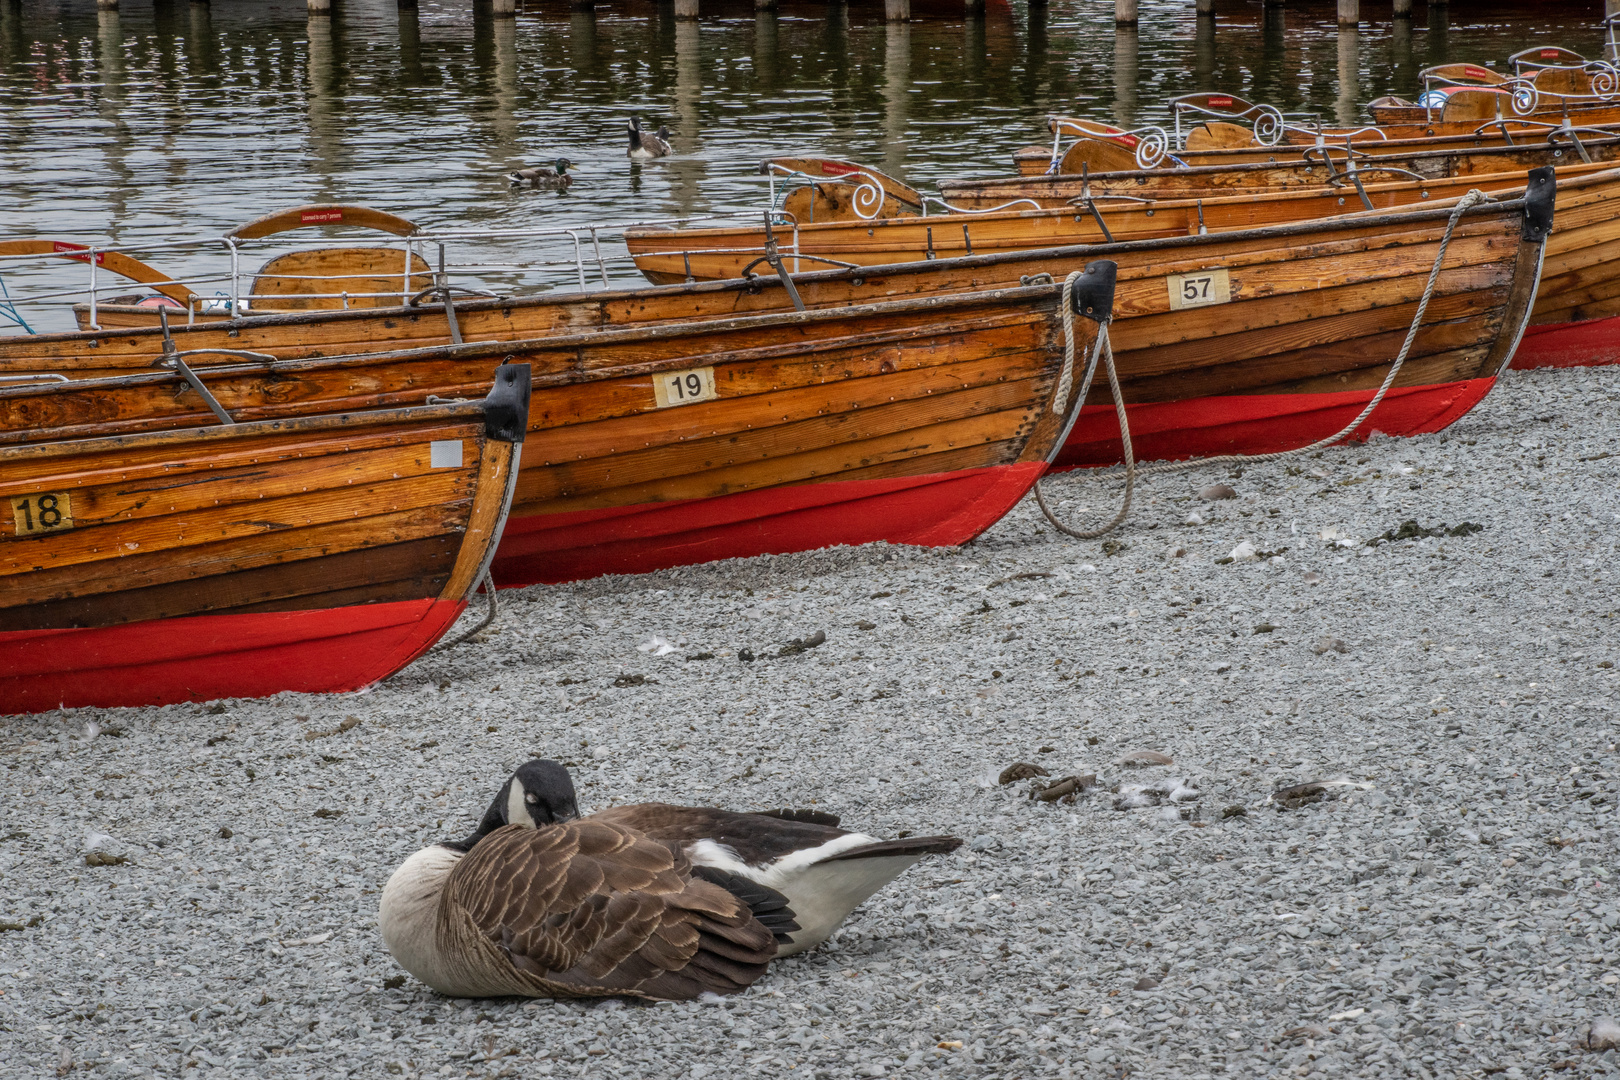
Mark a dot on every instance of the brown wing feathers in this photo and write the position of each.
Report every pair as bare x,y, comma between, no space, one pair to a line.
591,907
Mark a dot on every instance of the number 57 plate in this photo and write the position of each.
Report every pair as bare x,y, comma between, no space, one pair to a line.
1199,290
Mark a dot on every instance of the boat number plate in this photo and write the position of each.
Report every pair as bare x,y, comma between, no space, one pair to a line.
1200,289
48,511
684,387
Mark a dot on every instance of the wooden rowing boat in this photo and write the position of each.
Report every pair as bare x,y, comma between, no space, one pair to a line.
667,255
1378,144
303,279
1286,353
1467,94
918,420
1576,321
309,553
1329,168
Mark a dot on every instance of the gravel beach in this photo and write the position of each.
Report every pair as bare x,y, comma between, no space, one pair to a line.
1451,910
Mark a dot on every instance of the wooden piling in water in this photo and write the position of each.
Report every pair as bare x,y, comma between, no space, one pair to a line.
686,9
1349,12
895,10
503,9
1124,12
1403,9
316,7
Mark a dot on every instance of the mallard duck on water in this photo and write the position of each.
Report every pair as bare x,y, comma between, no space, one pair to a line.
644,144
555,176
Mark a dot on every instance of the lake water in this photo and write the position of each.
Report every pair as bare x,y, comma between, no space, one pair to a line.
175,120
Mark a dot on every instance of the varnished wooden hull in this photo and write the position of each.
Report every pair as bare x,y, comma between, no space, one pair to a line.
312,554
1576,319
920,420
1315,308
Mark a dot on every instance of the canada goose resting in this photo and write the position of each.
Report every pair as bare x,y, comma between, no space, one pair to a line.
537,903
554,175
801,855
644,144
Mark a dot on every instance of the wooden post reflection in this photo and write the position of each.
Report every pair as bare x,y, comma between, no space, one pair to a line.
1344,107
1125,47
896,95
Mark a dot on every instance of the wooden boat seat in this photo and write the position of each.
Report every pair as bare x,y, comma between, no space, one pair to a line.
1570,82
1466,105
1218,135
1098,155
358,271
849,185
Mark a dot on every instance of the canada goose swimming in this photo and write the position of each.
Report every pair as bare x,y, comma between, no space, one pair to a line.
538,903
555,175
644,144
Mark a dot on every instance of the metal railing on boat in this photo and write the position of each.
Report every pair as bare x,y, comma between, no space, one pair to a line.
216,276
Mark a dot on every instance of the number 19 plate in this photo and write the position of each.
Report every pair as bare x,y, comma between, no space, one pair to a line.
1200,289
684,387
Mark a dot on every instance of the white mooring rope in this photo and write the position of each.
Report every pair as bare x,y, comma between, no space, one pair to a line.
1472,199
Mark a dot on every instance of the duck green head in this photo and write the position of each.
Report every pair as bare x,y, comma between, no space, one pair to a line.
563,165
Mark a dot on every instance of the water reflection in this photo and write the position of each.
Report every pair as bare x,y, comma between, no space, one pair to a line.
686,166
1126,44
119,120
1347,105
896,95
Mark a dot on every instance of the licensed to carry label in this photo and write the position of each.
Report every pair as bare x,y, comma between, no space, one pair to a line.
46,511
1199,290
684,387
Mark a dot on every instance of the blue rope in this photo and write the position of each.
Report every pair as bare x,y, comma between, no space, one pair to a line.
8,309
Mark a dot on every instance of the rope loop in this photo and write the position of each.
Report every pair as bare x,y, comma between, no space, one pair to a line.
1474,198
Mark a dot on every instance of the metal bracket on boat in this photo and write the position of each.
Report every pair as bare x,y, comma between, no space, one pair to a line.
1089,206
1569,131
1539,195
176,361
1203,230
445,294
1093,292
775,259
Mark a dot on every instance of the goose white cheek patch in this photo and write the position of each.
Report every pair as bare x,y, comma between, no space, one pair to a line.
517,812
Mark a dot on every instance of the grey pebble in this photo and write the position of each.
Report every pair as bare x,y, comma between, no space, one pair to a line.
1461,914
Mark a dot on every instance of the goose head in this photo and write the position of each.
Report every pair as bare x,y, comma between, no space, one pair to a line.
538,794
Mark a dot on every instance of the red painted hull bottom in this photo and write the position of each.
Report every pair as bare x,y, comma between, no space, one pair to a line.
1261,423
211,656
935,510
1589,343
